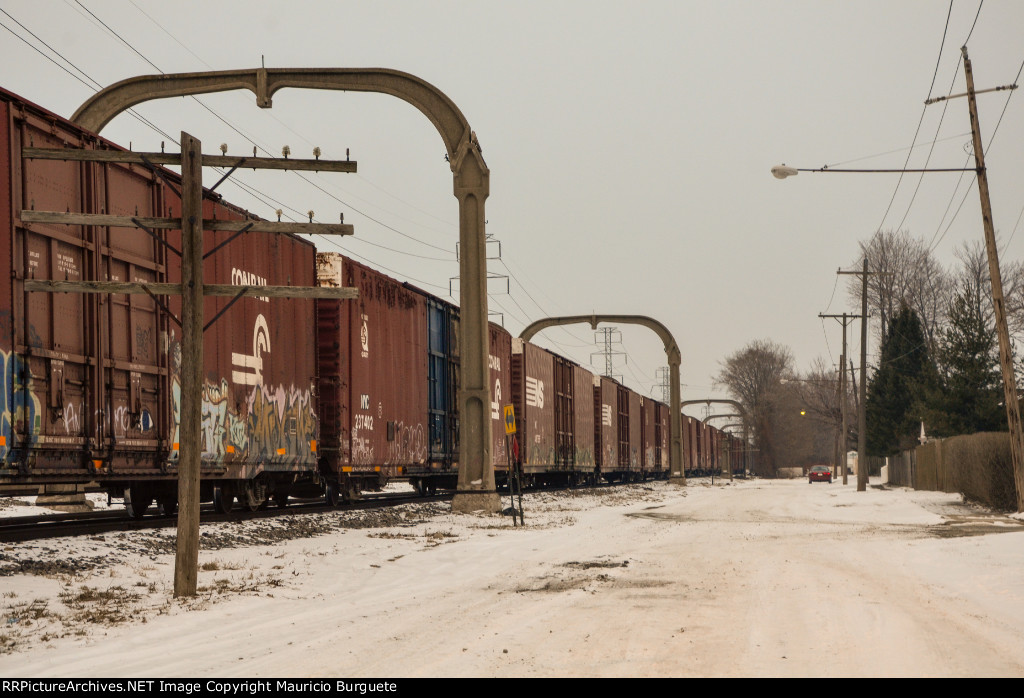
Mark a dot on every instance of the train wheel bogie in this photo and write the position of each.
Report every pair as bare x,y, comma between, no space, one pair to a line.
253,495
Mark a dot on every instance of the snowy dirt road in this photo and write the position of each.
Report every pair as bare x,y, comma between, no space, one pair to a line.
755,578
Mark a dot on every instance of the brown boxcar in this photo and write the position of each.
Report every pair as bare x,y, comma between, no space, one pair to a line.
499,361
661,438
554,404
619,431
691,461
534,401
584,446
650,450
655,426
606,425
85,375
260,427
92,389
636,434
373,379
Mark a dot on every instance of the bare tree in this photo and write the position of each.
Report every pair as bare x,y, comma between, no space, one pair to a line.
973,279
903,272
753,376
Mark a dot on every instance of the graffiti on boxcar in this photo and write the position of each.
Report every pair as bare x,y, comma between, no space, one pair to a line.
281,421
362,449
144,340
214,418
72,418
650,457
541,456
499,454
584,456
20,409
408,446
124,420
270,422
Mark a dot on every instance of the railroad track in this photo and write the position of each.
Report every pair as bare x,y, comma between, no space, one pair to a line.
41,527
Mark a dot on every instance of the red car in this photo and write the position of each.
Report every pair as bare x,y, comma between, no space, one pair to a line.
820,473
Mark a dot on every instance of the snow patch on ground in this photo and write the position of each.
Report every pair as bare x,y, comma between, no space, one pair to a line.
748,578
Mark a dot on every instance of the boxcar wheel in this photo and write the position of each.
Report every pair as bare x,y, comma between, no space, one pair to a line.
223,501
136,503
332,493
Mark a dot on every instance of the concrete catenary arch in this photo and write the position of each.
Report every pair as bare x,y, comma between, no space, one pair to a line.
675,457
476,490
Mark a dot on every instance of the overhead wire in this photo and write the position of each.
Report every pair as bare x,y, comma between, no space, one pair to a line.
913,140
250,189
262,147
937,238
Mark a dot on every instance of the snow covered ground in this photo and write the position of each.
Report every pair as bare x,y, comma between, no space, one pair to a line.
752,578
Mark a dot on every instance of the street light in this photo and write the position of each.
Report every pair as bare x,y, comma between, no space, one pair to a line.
783,171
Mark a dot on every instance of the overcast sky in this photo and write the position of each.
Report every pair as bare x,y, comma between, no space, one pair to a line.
629,144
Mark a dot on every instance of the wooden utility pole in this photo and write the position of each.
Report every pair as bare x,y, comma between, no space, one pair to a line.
192,291
844,318
186,563
862,429
1005,349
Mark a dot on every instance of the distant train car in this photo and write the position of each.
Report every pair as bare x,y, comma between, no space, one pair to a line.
499,361
655,433
554,404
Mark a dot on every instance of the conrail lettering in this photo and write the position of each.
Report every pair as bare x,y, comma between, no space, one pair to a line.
494,362
245,278
534,392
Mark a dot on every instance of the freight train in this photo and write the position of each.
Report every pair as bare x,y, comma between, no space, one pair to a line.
299,397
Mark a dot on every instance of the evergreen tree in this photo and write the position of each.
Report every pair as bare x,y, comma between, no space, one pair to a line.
966,399
895,395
